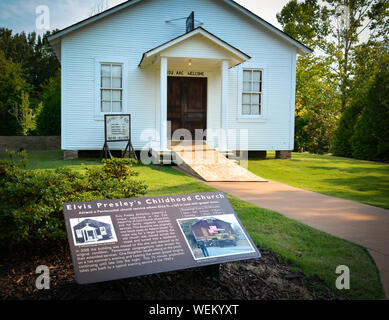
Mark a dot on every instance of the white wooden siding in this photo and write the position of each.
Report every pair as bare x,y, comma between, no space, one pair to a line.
141,27
196,47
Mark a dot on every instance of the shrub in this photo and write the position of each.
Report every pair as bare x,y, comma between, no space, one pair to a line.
341,142
48,121
314,128
371,135
31,200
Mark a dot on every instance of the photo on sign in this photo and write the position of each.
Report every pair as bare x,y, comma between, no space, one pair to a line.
214,236
92,230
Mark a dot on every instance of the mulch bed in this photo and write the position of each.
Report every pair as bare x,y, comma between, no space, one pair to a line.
266,278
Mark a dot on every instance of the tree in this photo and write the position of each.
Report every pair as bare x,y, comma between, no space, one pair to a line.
12,85
341,142
317,101
317,125
366,65
23,114
34,62
371,137
49,117
333,28
34,54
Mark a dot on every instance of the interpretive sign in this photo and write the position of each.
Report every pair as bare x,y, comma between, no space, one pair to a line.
115,239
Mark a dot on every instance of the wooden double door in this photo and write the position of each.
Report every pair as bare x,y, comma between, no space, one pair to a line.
187,103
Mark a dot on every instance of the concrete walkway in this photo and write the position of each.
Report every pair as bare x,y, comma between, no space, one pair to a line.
362,224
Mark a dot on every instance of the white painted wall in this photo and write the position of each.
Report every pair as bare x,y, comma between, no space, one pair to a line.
126,35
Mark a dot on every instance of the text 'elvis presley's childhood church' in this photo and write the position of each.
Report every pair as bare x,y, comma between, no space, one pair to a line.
230,70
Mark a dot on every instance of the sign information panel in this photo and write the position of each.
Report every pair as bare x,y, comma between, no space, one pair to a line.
115,239
117,128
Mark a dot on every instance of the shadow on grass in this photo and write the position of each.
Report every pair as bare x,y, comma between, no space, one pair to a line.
370,190
159,168
354,170
193,187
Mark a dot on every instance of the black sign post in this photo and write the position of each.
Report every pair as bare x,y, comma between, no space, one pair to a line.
190,22
117,128
116,239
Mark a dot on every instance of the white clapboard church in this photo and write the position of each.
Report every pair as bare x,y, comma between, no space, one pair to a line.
199,64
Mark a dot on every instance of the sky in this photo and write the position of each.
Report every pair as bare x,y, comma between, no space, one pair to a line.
20,15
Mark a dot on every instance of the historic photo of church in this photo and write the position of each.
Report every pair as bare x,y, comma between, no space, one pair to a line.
94,230
214,236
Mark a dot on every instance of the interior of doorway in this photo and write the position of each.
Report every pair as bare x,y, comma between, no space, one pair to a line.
187,104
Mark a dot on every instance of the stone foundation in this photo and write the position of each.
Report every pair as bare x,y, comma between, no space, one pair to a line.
257,154
70,154
284,154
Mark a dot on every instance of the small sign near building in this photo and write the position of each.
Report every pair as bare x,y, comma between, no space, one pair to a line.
115,239
186,73
117,128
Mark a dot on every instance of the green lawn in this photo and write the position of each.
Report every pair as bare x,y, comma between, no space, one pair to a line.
305,249
363,181
54,159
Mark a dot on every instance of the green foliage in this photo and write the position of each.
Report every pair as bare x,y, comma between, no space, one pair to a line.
26,64
341,142
317,105
49,118
31,200
305,21
24,115
12,85
368,100
317,126
371,138
34,53
340,72
334,29
366,65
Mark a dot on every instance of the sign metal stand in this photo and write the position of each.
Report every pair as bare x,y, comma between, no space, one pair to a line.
117,128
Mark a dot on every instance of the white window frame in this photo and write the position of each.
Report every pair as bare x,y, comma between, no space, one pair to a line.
111,88
249,117
114,60
103,231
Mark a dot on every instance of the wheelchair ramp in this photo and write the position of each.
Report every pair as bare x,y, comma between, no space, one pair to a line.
203,161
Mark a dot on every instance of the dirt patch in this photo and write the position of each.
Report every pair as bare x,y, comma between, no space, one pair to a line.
264,278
